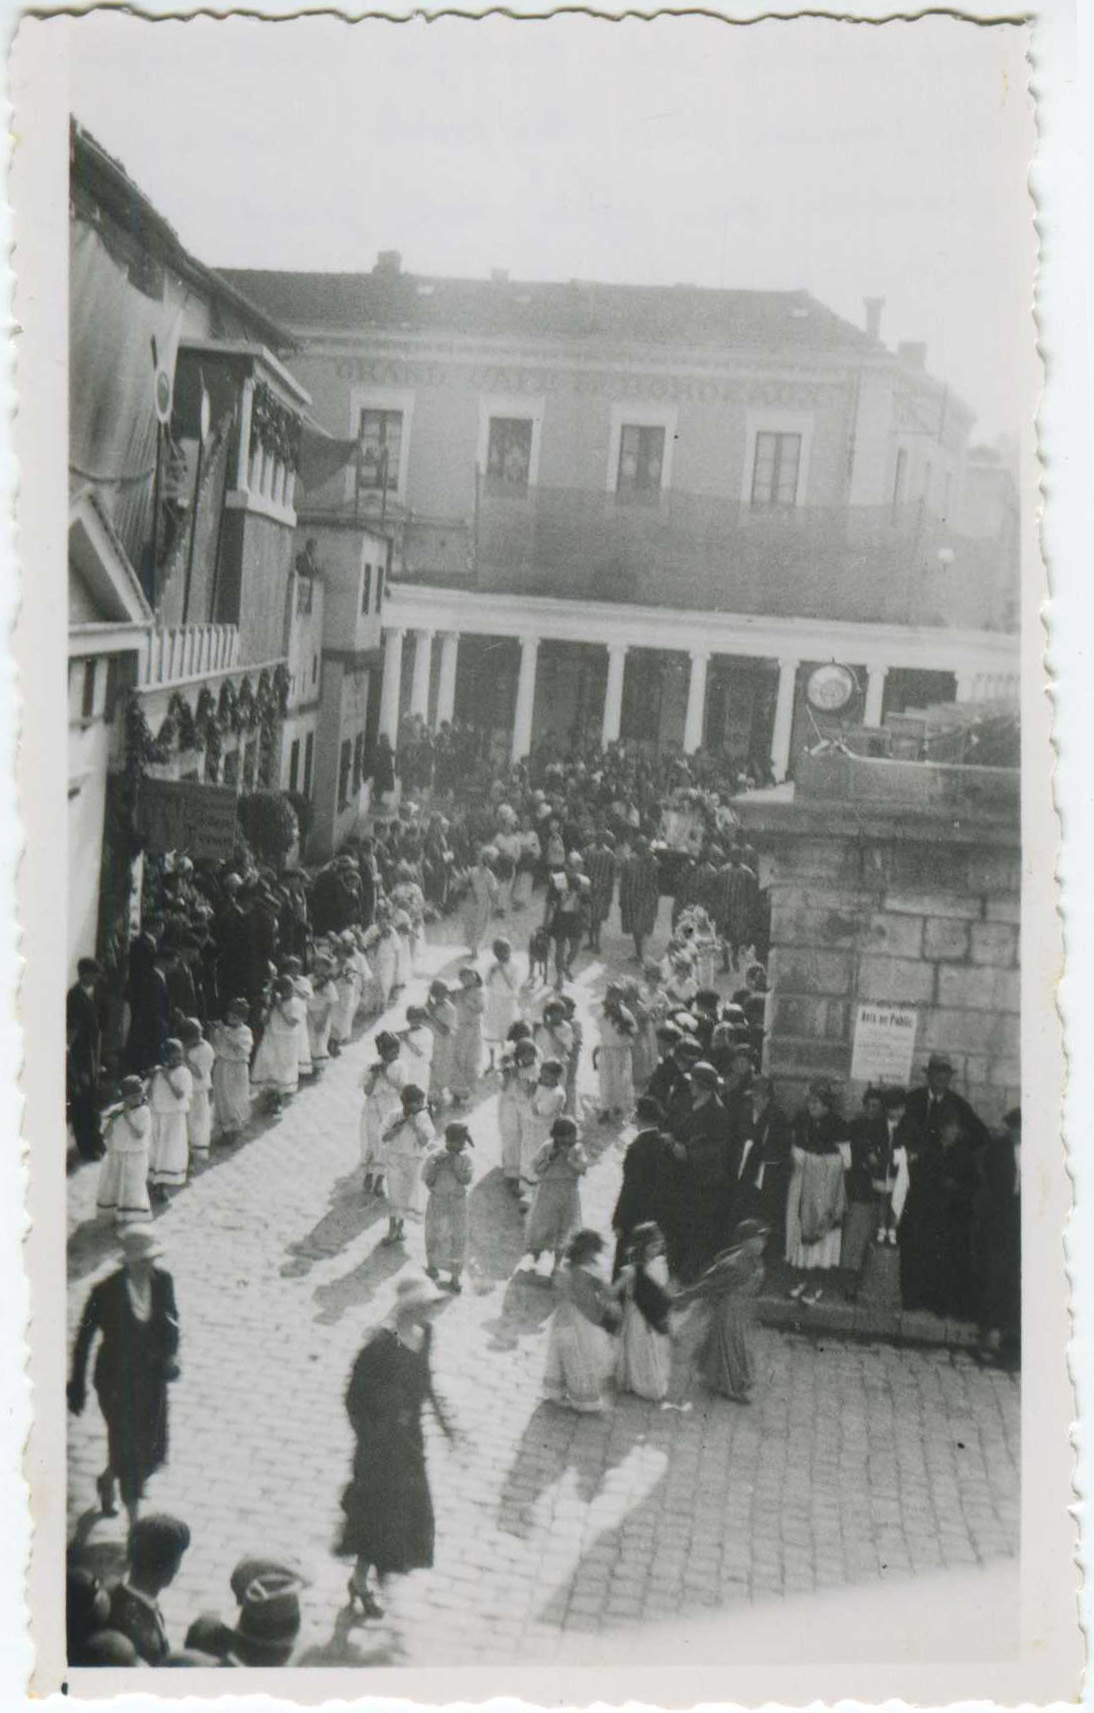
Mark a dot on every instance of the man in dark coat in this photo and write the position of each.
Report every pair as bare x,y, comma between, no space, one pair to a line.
706,1183
233,944
639,895
651,1184
926,1109
759,1160
83,1038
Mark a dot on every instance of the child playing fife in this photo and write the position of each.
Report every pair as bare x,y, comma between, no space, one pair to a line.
545,1104
233,1044
406,1141
446,1175
470,1003
200,1059
556,1207
170,1090
580,1351
123,1175
383,1084
612,1057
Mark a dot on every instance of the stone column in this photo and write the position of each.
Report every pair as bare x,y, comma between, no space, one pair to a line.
419,684
526,698
875,694
613,695
393,674
695,718
784,718
446,687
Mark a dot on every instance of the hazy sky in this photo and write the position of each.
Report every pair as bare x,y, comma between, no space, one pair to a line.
851,160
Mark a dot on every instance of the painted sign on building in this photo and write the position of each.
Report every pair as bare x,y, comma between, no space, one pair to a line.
884,1044
184,815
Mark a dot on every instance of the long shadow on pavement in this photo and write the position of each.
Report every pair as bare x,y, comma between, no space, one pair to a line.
554,1442
358,1287
348,1216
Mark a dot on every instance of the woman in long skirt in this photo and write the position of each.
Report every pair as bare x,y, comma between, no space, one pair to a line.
442,1019
645,1345
233,1044
816,1197
730,1287
580,1349
482,898
612,1056
389,1526
446,1175
555,1213
170,1089
134,1311
123,1176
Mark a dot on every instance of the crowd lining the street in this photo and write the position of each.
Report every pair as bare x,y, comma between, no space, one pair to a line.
243,984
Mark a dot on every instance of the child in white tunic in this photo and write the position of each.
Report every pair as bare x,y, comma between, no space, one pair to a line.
200,1059
446,1175
383,1084
544,1105
645,1345
347,982
417,1051
123,1175
407,1140
502,1002
277,1062
170,1091
233,1045
385,963
441,1017
302,988
518,1058
321,1007
404,951
612,1056
470,1003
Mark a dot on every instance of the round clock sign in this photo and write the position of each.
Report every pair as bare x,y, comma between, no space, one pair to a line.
830,688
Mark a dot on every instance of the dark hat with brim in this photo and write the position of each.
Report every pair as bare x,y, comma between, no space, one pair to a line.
940,1062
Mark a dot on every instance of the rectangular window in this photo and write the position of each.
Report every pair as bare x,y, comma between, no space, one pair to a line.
358,760
509,452
345,762
294,764
250,763
314,667
309,748
366,588
775,471
110,706
900,480
378,449
641,459
379,588
90,675
231,767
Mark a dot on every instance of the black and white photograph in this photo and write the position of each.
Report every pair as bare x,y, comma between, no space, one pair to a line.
550,615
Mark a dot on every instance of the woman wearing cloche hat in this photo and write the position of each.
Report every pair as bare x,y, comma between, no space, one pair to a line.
388,1508
133,1309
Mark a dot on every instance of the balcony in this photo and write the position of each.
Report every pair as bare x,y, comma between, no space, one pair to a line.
187,652
687,550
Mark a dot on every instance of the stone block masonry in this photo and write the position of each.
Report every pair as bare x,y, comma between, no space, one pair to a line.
913,908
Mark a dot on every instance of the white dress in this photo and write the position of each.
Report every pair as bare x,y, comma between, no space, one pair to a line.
645,1355
417,1055
502,1004
383,1086
349,987
406,1147
170,1104
536,1118
404,957
304,991
233,1044
613,1061
200,1059
385,962
123,1175
321,1007
277,1062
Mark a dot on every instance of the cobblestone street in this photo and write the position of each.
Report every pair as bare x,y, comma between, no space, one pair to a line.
858,1462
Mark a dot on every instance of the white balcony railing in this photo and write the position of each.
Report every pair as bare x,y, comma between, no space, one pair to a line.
189,651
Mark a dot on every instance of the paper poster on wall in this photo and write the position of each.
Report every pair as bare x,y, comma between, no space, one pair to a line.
884,1044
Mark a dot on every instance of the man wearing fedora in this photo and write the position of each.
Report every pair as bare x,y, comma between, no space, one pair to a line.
927,1109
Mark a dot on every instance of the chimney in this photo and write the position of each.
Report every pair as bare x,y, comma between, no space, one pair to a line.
388,264
499,276
913,354
874,307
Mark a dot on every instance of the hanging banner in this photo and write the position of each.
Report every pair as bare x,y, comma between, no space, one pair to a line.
184,815
884,1044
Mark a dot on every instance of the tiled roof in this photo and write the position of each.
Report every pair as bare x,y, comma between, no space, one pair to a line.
575,309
